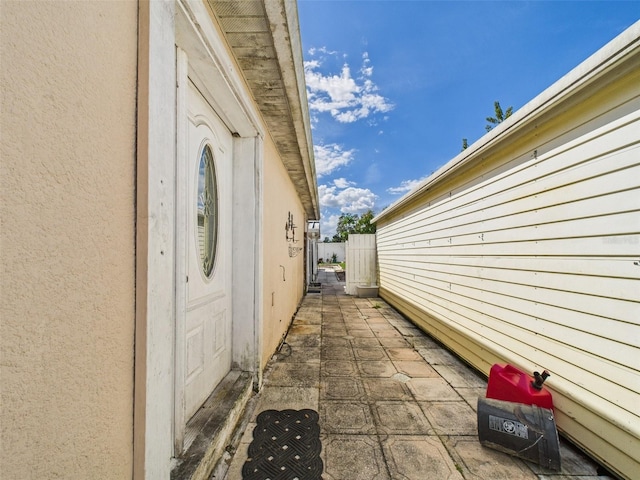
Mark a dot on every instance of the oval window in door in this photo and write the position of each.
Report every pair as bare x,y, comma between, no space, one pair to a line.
207,230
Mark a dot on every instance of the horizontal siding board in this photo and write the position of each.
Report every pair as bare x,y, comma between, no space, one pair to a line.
620,451
590,332
613,245
624,223
617,343
598,178
600,327
531,213
601,195
610,288
546,173
608,183
566,363
616,268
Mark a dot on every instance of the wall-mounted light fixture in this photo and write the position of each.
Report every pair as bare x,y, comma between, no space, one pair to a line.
313,229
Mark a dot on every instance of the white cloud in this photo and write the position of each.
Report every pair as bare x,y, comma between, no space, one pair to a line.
345,98
342,182
328,225
313,51
343,196
330,157
405,186
348,200
366,70
332,92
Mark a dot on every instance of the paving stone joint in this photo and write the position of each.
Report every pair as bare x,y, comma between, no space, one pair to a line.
393,403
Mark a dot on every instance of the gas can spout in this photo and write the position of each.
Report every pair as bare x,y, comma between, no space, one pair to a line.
539,379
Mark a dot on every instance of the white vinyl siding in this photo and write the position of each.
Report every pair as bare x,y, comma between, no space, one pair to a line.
530,256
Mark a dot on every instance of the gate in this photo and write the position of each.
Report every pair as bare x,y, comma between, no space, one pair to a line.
360,250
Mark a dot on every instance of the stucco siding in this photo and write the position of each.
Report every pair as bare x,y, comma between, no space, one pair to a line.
68,149
528,255
283,259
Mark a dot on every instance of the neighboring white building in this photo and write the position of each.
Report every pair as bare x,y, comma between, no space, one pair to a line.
151,153
525,249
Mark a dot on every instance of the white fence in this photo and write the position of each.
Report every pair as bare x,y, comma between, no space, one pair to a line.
361,261
326,251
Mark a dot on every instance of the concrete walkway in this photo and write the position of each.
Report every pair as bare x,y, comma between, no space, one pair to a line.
393,403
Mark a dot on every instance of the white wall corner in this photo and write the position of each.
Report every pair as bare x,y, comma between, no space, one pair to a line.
153,412
247,232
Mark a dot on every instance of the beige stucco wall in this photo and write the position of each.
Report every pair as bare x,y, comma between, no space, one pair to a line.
283,274
67,254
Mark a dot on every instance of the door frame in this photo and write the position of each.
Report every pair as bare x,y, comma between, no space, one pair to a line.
201,54
163,26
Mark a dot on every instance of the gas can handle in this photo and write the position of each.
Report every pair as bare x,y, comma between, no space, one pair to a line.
539,379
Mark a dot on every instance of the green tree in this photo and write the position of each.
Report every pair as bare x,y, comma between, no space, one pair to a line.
353,223
346,225
500,116
364,225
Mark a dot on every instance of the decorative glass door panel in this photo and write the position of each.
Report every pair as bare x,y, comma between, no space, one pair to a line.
207,211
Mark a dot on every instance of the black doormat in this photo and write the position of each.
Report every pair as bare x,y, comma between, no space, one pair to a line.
286,446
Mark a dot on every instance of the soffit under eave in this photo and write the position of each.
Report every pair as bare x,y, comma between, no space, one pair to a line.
264,37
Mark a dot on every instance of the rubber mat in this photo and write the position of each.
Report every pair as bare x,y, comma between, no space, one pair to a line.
286,446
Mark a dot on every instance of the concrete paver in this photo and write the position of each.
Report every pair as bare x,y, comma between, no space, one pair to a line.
393,403
419,457
357,457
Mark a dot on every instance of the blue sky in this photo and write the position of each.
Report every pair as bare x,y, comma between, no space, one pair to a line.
394,86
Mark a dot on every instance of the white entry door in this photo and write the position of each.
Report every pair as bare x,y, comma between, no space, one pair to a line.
205,203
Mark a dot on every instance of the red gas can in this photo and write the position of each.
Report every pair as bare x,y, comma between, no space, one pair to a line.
511,384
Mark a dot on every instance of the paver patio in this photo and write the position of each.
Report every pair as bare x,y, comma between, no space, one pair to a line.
393,403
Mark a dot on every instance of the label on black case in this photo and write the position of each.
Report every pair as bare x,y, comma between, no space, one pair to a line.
509,427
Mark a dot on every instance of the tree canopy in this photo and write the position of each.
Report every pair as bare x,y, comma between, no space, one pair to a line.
353,223
500,116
